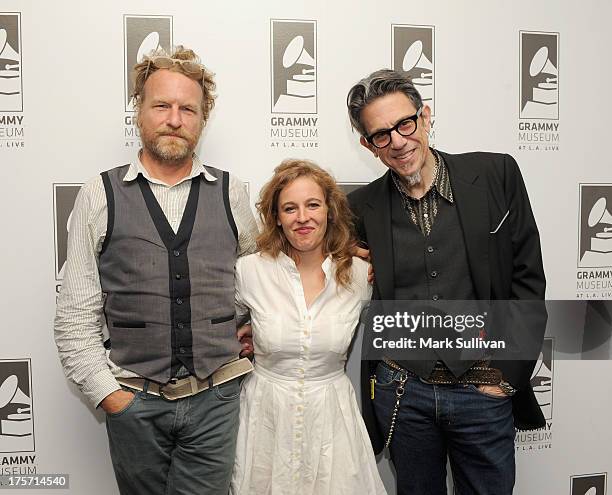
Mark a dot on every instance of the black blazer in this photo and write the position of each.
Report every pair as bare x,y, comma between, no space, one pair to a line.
503,252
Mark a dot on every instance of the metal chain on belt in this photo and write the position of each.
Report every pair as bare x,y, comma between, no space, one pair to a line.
399,392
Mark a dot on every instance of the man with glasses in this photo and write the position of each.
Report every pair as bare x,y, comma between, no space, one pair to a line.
455,227
151,249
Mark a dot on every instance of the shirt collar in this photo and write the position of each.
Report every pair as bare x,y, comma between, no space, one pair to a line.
136,168
289,264
442,180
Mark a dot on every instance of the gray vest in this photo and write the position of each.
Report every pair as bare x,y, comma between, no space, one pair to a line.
169,298
430,268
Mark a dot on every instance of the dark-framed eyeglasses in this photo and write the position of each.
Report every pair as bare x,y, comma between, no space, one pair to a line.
405,127
193,69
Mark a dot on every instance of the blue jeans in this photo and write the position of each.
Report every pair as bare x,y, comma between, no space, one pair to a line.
187,446
475,430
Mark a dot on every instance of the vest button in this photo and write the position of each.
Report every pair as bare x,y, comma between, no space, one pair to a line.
435,297
176,252
180,325
179,300
177,276
434,274
430,249
182,350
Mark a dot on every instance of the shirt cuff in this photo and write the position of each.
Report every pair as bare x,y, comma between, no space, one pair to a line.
99,386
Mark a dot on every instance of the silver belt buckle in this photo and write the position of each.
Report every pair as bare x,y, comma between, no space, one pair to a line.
173,381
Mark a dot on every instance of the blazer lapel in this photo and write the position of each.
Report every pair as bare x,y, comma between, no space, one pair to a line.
473,211
377,222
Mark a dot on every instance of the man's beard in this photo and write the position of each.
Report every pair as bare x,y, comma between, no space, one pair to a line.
168,150
413,180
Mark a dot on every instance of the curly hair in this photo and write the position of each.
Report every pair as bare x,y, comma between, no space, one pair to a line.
143,70
338,240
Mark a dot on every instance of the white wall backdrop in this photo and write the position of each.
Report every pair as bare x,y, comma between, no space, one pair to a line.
527,78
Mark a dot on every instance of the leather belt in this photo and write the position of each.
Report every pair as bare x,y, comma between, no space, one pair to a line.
191,385
478,374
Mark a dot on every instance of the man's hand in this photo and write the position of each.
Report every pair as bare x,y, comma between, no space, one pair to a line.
370,274
245,336
361,252
364,254
117,401
492,390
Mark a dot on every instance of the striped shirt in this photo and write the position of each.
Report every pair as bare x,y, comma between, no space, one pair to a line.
79,319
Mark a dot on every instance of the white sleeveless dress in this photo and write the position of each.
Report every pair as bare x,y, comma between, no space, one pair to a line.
301,432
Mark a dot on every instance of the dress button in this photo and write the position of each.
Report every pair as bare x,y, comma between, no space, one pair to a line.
179,300
176,252
430,249
435,297
434,274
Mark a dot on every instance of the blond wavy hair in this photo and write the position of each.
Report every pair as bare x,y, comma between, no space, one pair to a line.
143,70
338,240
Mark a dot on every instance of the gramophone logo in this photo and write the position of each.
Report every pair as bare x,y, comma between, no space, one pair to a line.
413,53
542,383
64,197
294,66
143,35
16,420
589,484
542,378
10,63
595,226
539,88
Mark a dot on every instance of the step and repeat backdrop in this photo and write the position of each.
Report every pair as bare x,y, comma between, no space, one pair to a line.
526,78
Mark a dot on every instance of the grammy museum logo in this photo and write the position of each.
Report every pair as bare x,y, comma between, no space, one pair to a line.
542,384
594,271
142,35
17,446
11,83
413,53
538,127
293,64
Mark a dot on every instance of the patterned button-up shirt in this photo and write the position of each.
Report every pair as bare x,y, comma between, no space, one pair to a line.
423,211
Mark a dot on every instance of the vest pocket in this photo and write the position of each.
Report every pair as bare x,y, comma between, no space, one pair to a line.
129,324
221,319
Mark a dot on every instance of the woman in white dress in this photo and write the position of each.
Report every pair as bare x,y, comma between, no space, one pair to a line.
301,431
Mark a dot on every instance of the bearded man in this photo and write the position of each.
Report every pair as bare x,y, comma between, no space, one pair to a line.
151,252
440,227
